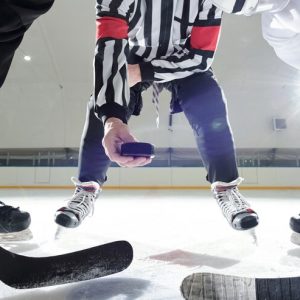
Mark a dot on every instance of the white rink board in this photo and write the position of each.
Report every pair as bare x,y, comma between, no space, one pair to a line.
147,177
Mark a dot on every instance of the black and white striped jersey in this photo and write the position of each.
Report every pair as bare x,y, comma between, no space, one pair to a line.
170,39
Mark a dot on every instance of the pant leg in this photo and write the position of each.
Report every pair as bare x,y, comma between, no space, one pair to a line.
15,18
204,105
93,162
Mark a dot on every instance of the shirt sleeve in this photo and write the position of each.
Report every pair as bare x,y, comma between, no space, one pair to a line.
194,56
111,89
250,7
285,42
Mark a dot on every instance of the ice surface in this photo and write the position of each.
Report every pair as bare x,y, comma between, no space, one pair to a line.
173,233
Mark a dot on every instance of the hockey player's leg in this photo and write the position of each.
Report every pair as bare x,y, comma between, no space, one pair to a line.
93,165
15,18
204,106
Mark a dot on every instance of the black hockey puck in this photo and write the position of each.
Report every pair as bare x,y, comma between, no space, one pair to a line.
137,149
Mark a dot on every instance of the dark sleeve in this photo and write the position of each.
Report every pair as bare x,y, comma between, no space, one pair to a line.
15,18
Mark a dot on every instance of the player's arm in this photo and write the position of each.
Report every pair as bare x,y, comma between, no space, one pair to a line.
192,57
111,90
249,7
282,31
280,24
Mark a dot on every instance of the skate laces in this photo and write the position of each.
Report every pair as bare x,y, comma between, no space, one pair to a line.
82,202
229,198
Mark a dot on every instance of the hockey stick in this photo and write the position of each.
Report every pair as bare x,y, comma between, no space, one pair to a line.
22,272
210,286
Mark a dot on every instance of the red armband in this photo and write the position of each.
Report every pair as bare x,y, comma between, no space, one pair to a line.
110,27
205,38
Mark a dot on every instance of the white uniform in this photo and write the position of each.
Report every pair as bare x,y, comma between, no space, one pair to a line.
280,24
282,31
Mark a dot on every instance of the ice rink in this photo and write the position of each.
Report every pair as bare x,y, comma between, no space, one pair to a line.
173,232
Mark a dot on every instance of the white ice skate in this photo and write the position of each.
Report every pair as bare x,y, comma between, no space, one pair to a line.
80,206
235,208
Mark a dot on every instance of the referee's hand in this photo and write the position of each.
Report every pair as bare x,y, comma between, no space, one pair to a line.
115,134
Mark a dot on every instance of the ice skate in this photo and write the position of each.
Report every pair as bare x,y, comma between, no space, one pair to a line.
235,208
80,206
14,224
12,219
295,226
295,223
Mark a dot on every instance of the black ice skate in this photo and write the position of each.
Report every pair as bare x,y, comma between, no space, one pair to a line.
295,223
80,206
12,219
234,206
295,226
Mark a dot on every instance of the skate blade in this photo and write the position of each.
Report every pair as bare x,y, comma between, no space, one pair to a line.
295,238
21,236
60,231
253,235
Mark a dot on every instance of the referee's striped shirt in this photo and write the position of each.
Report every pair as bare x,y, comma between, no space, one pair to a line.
171,39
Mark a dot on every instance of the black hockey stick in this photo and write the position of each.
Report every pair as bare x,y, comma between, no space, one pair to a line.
23,272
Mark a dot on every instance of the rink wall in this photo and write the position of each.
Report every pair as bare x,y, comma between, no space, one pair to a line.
171,168
139,178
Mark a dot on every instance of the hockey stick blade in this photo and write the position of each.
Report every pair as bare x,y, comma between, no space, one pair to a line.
24,272
210,286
